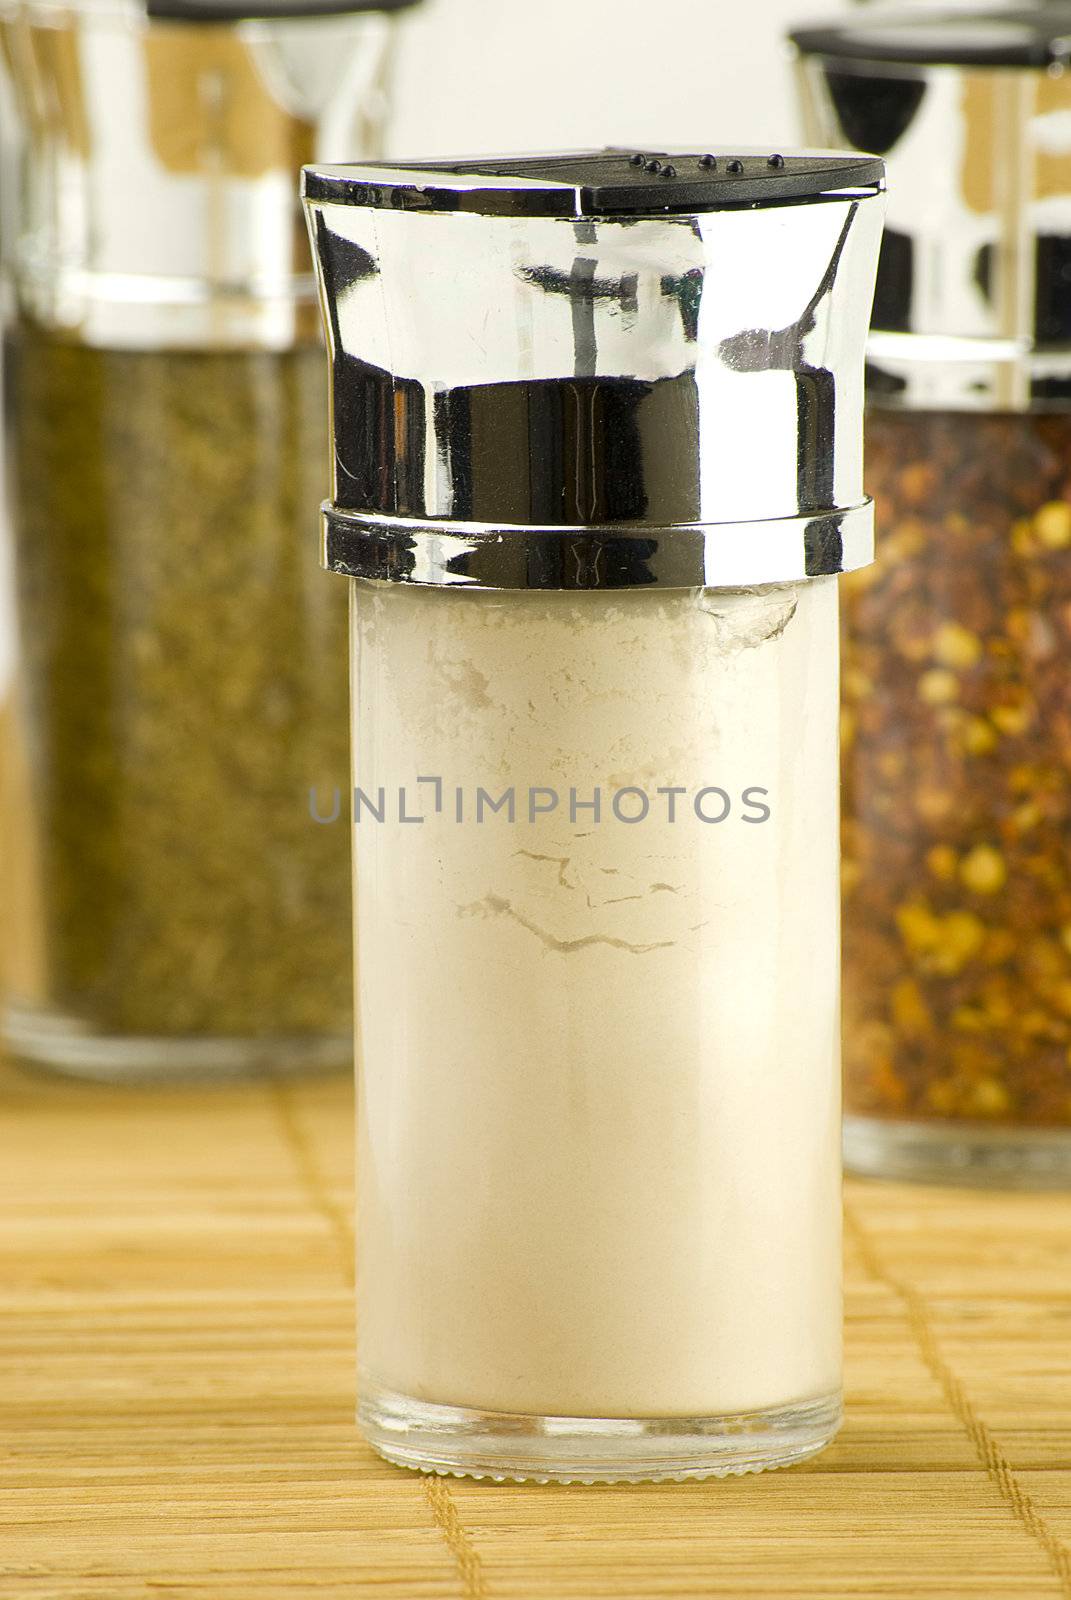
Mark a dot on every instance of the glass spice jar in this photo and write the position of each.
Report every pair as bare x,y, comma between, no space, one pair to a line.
956,706
181,733
598,464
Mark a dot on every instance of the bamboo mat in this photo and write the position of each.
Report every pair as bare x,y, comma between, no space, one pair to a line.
177,1377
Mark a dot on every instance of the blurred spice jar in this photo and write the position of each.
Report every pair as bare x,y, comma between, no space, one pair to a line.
177,908
957,644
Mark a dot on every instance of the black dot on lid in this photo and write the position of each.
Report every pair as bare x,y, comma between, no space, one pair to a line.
669,172
637,160
708,161
735,166
776,161
654,165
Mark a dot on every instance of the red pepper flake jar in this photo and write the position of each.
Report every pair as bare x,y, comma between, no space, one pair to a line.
957,689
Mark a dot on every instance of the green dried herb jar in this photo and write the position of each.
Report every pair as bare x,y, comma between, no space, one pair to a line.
181,743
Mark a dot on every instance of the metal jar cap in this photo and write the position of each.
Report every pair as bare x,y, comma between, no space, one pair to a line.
598,370
148,197
970,108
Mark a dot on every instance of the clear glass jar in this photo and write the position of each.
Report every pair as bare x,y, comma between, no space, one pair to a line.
957,802
171,737
957,910
593,563
180,739
598,1151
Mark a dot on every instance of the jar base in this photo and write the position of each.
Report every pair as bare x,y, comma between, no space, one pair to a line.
461,1443
972,1154
52,1042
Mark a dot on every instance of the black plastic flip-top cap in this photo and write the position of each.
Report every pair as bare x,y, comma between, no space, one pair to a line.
1036,36
264,10
625,182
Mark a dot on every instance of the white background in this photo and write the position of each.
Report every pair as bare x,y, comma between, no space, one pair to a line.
516,75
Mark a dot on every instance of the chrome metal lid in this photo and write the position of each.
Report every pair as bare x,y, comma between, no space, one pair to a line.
971,110
598,369
602,183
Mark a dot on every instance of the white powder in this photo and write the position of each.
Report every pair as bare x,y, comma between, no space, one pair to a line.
599,1129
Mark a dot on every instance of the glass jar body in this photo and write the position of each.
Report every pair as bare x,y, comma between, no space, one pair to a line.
957,800
180,713
596,862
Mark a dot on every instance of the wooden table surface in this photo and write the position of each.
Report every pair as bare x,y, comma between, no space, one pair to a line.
178,1381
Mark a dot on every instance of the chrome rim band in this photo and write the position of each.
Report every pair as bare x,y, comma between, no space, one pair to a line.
949,372
717,555
135,311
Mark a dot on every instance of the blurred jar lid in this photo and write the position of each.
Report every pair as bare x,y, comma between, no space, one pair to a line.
960,36
972,110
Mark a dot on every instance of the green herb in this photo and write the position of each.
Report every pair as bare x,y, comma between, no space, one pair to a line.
183,687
